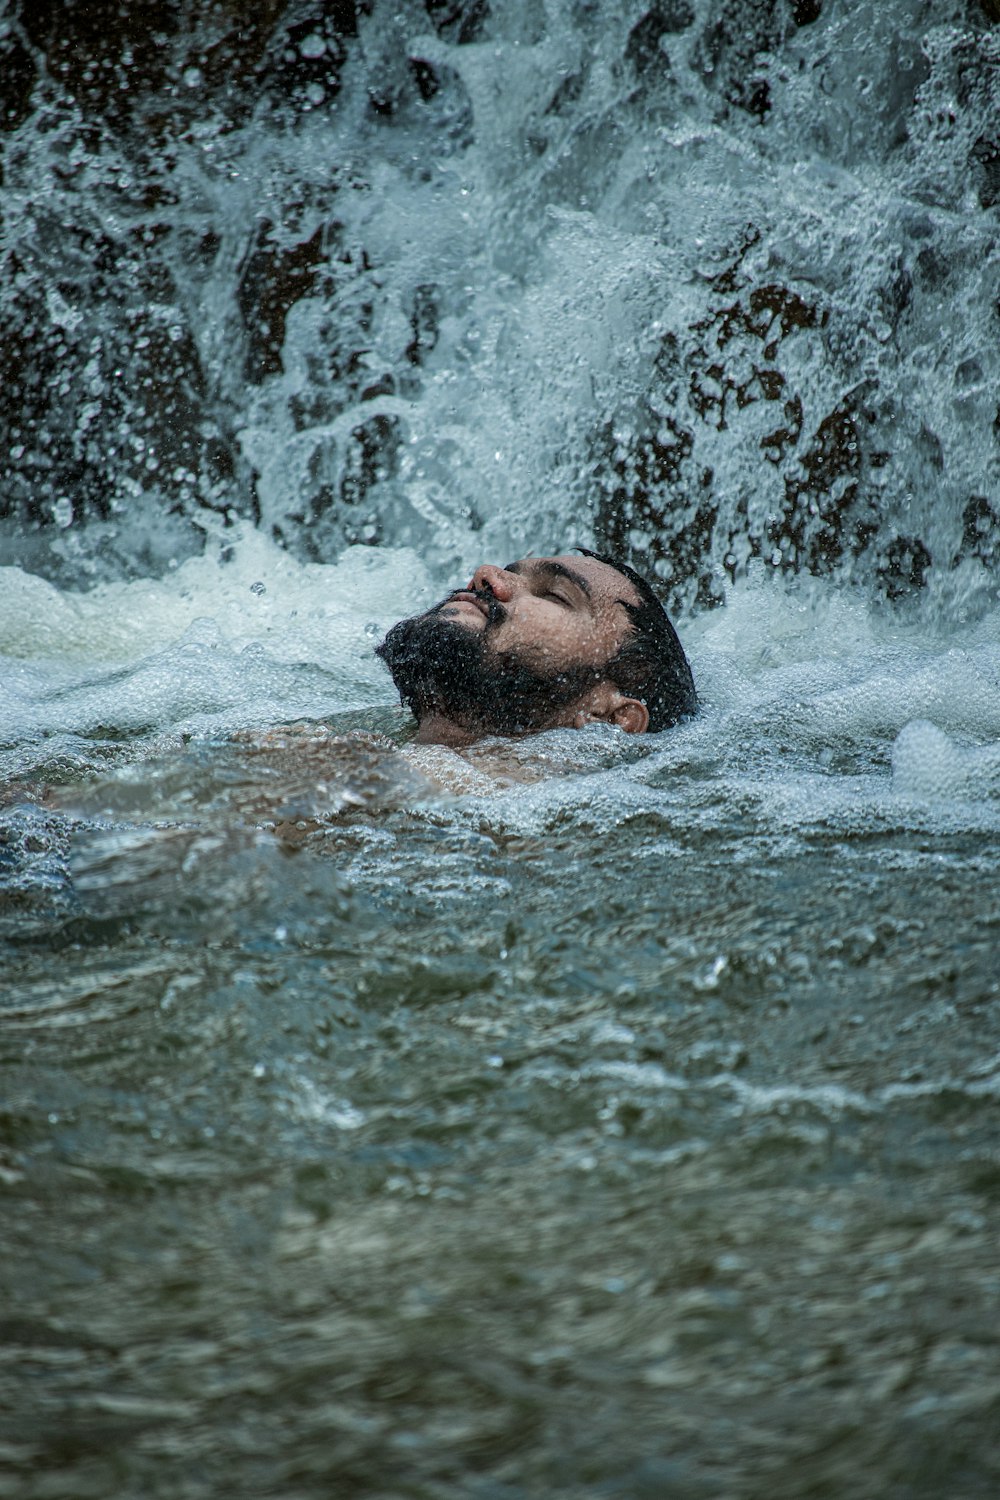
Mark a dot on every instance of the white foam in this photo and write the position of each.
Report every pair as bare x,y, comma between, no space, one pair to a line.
928,764
256,639
826,667
260,593
808,694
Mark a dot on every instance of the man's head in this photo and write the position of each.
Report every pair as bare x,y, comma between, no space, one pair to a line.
540,644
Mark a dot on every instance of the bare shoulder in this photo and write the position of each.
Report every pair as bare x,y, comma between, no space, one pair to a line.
474,770
448,770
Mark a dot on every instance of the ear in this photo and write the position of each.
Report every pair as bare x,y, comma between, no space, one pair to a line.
605,703
632,715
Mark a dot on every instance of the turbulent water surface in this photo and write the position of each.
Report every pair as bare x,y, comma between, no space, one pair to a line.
587,1116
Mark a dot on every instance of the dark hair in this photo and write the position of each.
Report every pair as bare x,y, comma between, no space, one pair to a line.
650,665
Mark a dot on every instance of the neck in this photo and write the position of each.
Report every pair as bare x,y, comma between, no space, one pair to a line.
435,729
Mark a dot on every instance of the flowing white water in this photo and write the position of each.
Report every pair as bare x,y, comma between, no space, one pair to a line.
713,285
826,708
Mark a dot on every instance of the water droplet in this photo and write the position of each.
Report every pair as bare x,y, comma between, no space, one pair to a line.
62,512
258,588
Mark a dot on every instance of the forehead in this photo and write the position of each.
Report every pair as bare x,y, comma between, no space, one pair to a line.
605,584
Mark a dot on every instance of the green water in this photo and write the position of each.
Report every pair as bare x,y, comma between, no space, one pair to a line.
596,1138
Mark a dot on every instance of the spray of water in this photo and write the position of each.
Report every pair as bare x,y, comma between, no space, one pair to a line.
709,282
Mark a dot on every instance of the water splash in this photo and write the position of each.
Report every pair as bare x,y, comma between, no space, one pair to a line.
709,282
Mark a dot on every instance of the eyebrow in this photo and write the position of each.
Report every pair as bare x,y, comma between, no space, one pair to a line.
553,570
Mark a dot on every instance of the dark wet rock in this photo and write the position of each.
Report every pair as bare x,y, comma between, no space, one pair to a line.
646,514
929,449
338,504
727,362
566,94
158,69
903,567
932,268
805,12
736,31
305,58
426,96
894,296
118,417
458,21
644,49
660,504
969,372
425,318
985,157
107,407
151,68
95,412
826,515
19,73
980,531
371,458
274,277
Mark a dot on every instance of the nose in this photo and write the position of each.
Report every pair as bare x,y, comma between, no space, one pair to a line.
498,581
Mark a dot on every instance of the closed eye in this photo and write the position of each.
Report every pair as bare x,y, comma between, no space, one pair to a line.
548,570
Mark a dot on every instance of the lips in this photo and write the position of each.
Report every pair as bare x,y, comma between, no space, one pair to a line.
465,596
481,600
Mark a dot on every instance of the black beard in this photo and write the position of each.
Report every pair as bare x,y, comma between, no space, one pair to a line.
443,668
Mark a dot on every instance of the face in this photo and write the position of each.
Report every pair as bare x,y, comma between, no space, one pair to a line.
555,612
517,649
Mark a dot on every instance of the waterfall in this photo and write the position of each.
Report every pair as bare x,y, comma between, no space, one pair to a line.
711,283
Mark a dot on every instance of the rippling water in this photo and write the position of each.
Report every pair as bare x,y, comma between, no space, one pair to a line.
627,1129
583,1116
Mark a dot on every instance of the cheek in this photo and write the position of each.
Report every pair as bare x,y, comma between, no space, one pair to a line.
552,635
592,641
